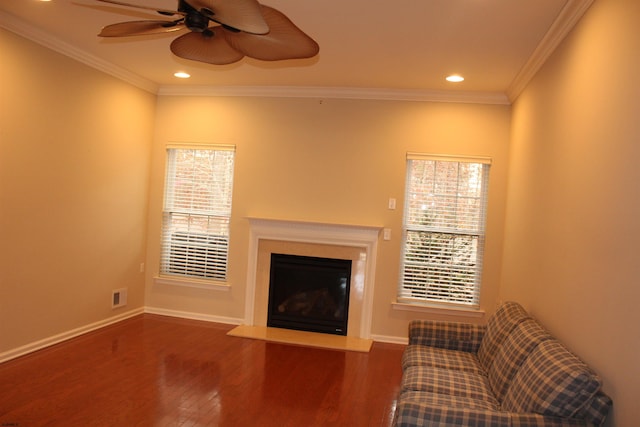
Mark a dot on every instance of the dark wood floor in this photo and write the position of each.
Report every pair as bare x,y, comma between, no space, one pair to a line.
159,371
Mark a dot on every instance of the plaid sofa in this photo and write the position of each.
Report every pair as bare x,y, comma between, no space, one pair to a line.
509,372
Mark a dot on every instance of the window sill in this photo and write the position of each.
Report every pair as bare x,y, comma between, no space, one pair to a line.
192,283
433,309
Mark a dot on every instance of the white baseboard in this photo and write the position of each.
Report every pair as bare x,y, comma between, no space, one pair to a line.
56,339
239,321
64,336
390,340
194,316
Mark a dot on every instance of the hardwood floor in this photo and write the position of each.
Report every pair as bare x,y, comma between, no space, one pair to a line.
158,371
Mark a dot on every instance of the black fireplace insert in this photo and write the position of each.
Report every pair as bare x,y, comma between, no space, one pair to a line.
309,293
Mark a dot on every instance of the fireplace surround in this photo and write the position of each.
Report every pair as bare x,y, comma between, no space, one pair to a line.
357,243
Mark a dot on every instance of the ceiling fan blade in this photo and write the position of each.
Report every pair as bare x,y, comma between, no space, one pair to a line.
162,11
243,15
140,28
210,46
284,40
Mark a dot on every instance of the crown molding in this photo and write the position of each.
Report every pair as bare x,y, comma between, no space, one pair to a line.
16,25
568,17
19,27
323,92
564,23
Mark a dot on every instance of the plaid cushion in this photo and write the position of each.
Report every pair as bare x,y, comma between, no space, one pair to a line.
536,420
447,400
448,382
512,353
498,328
410,413
449,335
420,355
425,409
552,381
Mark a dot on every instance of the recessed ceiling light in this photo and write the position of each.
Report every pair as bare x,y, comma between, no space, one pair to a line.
182,75
455,78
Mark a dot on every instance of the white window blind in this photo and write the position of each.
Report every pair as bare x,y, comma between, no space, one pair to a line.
444,228
197,211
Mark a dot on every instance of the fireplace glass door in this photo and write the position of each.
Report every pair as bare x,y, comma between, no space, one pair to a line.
309,293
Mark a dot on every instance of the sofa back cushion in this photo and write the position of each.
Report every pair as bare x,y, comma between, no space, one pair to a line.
499,327
515,349
552,381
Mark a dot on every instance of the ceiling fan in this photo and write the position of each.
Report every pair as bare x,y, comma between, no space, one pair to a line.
222,31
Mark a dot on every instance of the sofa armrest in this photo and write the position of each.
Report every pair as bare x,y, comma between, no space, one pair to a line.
448,335
597,409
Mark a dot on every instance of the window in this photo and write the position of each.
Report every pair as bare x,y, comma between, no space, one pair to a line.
443,232
197,210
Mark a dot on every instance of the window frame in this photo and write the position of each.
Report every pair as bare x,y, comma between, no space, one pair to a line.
405,301
169,212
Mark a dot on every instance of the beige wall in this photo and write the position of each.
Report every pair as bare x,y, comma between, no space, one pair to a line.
573,223
333,161
76,152
74,157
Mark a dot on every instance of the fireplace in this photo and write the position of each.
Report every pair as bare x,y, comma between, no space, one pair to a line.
309,293
356,243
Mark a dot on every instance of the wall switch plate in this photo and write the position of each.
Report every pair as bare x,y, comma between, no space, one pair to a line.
386,234
392,203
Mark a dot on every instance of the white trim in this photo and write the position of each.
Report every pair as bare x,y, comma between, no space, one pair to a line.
177,145
564,23
444,311
326,92
390,340
192,283
64,336
16,25
448,158
36,35
568,17
193,316
362,236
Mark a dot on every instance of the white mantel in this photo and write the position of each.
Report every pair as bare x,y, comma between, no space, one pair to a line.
363,237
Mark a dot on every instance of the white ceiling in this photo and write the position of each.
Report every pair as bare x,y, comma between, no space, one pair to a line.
393,47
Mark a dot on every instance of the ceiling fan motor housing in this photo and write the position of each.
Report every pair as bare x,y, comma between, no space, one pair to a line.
194,19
